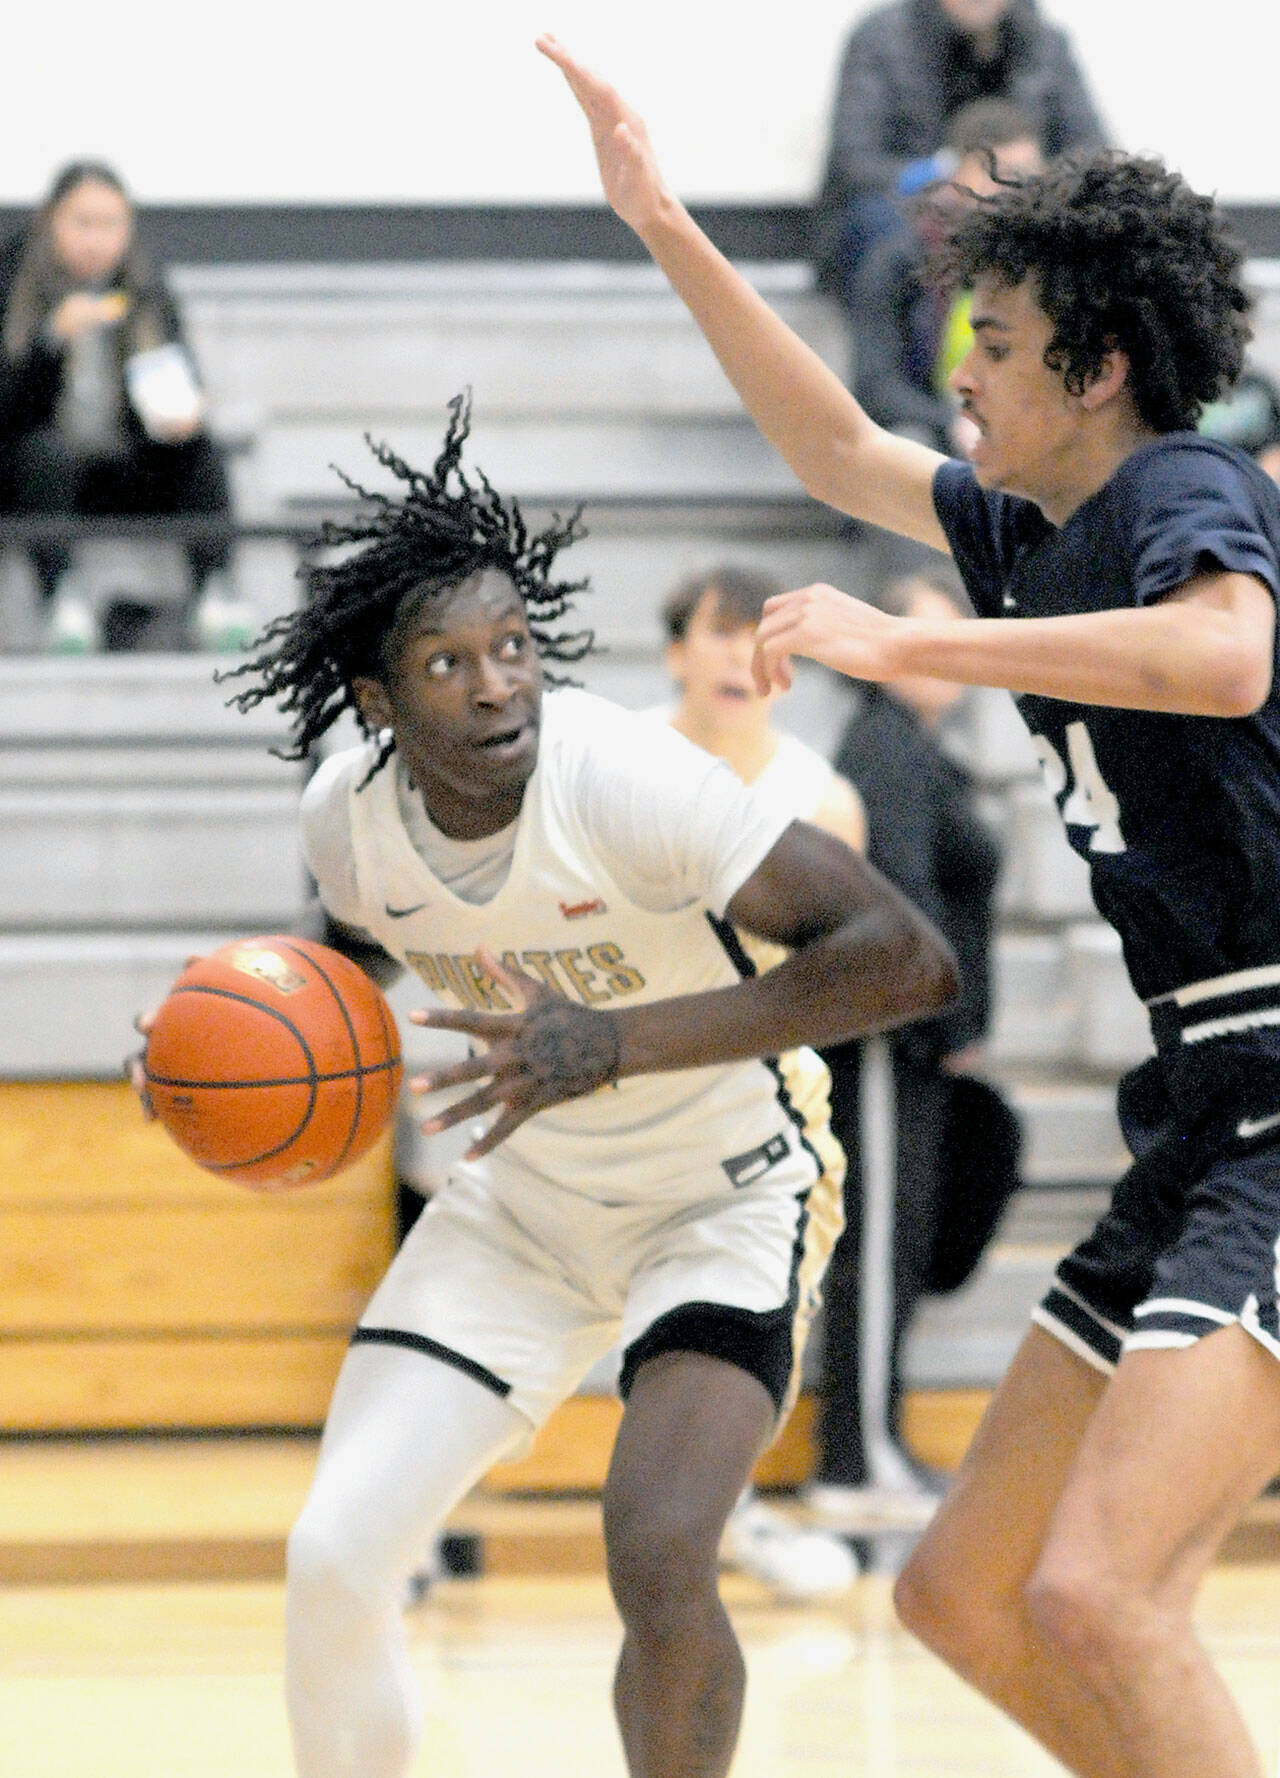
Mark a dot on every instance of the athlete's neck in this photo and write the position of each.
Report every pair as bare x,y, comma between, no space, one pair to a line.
1091,466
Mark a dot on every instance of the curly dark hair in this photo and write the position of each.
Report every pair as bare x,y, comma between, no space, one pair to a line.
358,611
1122,253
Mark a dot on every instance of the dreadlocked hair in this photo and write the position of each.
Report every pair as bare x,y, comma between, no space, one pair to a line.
1121,253
357,611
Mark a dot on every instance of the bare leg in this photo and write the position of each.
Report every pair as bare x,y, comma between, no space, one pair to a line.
692,1430
406,1437
1182,1442
1060,1575
964,1592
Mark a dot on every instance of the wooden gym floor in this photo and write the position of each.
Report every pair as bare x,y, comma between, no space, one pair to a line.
147,1677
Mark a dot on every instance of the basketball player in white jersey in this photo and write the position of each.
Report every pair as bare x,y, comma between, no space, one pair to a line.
567,878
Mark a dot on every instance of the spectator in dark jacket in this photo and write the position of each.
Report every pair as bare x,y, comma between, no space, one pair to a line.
891,1100
907,69
100,410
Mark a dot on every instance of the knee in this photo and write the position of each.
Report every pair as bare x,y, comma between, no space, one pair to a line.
956,1613
324,1569
662,1563
1089,1622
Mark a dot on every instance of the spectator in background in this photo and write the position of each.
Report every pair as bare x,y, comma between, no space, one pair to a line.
909,335
100,410
926,838
710,620
908,68
1248,416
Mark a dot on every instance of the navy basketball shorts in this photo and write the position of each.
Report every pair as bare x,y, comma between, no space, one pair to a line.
1191,1241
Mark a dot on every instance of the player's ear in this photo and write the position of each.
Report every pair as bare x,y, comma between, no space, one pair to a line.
673,658
372,702
1112,376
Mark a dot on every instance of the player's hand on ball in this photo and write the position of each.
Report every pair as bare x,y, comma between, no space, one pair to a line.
629,171
135,1071
135,1063
830,627
547,1051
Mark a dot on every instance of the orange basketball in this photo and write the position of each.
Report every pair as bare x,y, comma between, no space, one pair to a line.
274,1062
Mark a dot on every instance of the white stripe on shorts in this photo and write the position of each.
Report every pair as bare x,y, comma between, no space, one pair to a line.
1181,1305
1072,1341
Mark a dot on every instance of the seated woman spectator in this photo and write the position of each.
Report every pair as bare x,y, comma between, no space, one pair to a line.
100,410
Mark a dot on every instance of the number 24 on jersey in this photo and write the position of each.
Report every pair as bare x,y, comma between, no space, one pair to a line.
1090,802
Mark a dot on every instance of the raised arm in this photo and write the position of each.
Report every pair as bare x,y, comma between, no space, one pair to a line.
862,959
803,410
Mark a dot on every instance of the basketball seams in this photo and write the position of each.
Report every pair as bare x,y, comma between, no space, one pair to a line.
311,1080
308,957
275,1080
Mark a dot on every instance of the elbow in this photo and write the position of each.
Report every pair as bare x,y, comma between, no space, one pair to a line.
932,976
921,974
1242,687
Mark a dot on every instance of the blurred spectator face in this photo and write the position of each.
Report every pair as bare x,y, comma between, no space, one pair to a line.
975,17
91,227
929,698
711,663
1012,161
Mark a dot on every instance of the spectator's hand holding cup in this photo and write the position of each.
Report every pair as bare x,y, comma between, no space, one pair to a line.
84,309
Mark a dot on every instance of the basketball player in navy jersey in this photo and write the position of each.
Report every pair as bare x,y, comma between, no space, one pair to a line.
1126,573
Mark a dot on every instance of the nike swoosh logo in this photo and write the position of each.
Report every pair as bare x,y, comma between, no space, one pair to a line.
403,913
1254,1126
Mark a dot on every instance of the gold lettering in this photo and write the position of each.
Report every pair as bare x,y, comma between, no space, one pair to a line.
539,963
428,967
443,976
580,978
621,978
488,996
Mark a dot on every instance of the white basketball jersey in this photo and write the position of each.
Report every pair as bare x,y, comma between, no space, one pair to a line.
613,806
796,779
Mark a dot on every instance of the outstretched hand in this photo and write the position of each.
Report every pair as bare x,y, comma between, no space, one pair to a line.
628,171
548,1051
830,627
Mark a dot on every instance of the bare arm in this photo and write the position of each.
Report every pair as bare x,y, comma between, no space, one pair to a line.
1206,650
862,959
842,813
803,410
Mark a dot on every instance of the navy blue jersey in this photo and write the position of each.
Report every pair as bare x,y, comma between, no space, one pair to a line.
1178,817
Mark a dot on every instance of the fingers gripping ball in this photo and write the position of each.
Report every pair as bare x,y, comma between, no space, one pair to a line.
274,1062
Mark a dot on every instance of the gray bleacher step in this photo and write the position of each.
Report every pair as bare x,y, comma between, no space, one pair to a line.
1033,1017
1113,1032
967,1340
154,856
1070,1131
362,342
60,702
1043,878
68,1000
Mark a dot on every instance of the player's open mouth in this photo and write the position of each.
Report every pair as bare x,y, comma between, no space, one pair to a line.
507,741
739,694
